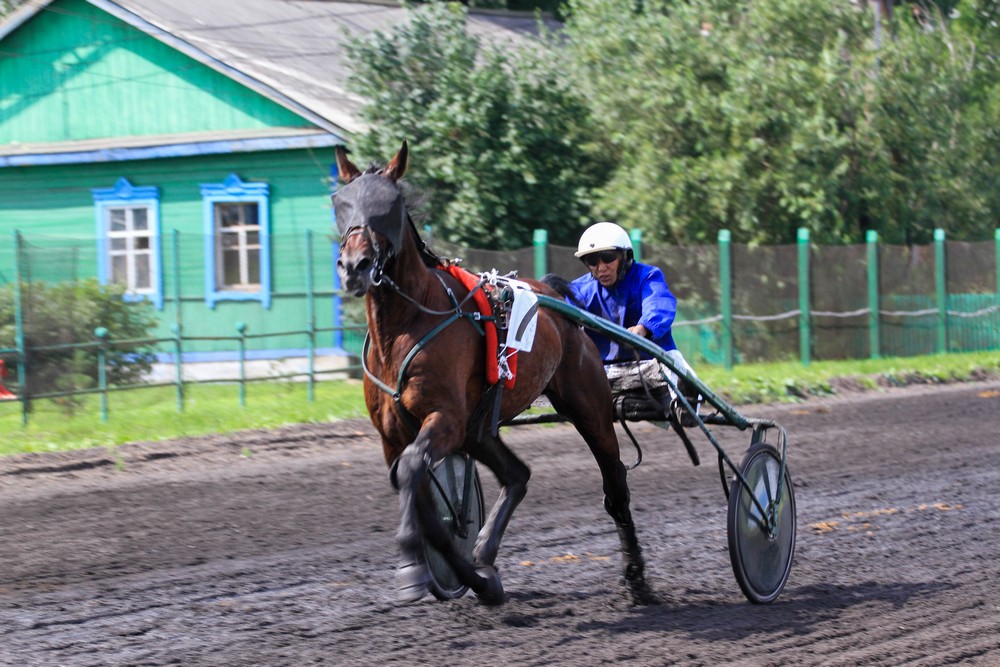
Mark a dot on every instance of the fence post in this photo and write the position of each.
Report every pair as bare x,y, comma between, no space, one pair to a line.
805,335
178,325
726,297
540,243
941,289
310,318
996,266
636,236
22,353
241,329
102,372
874,332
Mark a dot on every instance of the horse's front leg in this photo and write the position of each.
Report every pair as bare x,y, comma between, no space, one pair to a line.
419,519
409,474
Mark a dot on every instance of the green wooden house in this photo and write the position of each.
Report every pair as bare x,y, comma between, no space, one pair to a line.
185,149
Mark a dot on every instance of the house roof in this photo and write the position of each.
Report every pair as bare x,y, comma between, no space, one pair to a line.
290,51
113,149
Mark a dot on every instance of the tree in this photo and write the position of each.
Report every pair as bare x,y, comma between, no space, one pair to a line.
932,141
499,139
7,6
765,117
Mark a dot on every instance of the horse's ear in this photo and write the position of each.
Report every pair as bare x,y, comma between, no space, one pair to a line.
397,165
345,168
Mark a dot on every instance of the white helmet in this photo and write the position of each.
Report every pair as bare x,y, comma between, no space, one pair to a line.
603,236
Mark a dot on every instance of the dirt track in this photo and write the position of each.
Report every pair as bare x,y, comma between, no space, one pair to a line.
195,553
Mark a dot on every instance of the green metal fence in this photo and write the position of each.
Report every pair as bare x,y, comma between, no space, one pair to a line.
738,303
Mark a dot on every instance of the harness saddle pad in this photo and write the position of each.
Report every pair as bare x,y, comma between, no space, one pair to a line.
470,281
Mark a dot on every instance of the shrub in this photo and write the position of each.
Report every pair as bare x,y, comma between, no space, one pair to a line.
69,313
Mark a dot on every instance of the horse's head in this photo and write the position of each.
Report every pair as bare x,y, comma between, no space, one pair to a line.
372,219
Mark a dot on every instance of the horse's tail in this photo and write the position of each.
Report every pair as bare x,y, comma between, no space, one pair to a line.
561,285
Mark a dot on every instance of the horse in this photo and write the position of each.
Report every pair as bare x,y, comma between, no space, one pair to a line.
430,415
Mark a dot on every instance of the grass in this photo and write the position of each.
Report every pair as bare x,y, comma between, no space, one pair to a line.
151,414
791,381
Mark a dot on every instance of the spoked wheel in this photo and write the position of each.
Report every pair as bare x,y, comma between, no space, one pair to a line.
458,499
760,549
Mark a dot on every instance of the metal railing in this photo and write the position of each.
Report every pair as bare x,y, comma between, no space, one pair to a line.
103,344
942,321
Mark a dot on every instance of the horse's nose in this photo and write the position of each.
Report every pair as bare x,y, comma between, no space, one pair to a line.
352,267
354,273
363,265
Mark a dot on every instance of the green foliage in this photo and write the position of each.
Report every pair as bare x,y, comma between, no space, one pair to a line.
63,314
931,148
498,139
552,6
765,117
7,6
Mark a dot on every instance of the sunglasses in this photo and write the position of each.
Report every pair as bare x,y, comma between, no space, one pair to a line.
606,256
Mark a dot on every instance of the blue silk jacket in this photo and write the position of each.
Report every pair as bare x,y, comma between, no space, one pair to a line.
640,297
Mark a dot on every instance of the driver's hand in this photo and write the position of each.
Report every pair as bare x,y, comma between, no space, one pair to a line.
640,330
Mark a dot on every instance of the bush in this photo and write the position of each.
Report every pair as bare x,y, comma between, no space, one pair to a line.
69,313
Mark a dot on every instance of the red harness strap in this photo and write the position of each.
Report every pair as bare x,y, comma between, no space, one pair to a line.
470,280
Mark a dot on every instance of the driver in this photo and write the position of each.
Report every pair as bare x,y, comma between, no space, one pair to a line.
633,295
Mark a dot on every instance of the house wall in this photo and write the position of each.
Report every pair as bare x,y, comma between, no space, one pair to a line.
53,208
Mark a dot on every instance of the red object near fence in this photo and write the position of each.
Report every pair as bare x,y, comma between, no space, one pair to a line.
5,394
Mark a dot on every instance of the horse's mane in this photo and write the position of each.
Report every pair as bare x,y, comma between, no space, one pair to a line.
430,258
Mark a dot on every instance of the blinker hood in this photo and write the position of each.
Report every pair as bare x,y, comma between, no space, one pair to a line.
371,201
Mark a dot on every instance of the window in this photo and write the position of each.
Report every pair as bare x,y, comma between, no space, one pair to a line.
237,252
128,239
237,258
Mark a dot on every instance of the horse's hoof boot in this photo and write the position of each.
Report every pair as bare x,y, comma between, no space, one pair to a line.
492,589
412,582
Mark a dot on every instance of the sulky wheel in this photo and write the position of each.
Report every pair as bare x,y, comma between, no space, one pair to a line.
455,506
761,554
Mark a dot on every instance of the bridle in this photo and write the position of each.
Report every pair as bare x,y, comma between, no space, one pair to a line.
377,273
379,276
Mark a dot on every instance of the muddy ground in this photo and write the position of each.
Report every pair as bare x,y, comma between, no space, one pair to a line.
276,548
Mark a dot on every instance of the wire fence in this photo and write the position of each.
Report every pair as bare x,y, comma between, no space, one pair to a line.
737,304
741,303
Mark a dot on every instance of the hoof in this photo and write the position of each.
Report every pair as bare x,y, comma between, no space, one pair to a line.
642,595
412,582
638,588
491,590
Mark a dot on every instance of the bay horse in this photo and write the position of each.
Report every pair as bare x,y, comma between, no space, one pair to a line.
408,296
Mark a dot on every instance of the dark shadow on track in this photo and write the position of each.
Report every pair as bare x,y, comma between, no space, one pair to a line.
799,611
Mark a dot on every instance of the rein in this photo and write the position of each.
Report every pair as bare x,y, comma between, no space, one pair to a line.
429,311
452,315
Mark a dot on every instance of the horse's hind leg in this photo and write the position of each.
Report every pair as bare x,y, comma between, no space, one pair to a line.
512,474
593,420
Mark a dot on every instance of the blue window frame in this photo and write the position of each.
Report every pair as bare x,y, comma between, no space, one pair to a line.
128,239
237,241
